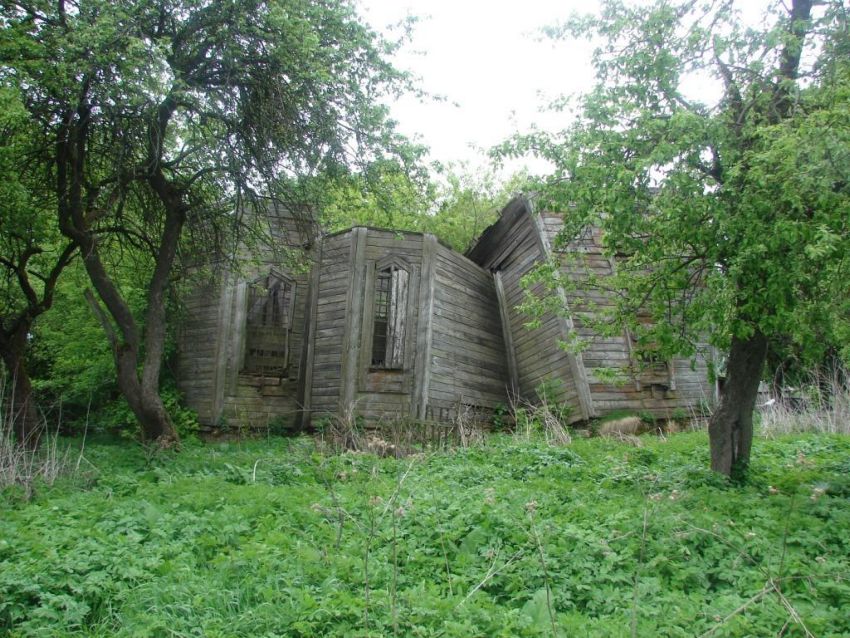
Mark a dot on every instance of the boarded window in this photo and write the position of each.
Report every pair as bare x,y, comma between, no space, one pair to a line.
269,324
390,319
651,368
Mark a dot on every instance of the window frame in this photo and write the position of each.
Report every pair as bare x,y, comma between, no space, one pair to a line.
394,348
284,323
370,372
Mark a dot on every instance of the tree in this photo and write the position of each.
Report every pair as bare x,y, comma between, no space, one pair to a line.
456,208
729,218
32,256
468,201
153,116
382,194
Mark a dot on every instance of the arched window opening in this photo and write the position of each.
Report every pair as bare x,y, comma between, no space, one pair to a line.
390,318
269,323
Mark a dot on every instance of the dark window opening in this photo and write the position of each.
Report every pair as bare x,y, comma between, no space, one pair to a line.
649,365
650,357
390,317
268,327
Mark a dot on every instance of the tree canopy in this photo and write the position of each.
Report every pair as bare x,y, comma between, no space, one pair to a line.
150,117
32,256
456,206
729,217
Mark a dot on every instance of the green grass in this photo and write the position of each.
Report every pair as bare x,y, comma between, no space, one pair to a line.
269,538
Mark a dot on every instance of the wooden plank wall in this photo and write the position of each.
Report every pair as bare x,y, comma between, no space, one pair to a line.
386,394
645,390
252,401
333,286
291,227
211,338
468,361
539,358
195,361
513,247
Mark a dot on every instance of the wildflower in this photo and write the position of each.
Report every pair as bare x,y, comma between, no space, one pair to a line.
490,496
772,490
531,506
375,501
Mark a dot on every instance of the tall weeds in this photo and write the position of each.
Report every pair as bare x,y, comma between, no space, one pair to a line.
545,417
820,405
19,464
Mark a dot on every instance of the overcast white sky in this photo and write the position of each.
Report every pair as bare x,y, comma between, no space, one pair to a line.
488,59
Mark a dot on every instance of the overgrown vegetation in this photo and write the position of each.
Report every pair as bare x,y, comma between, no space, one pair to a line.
515,538
821,404
150,124
726,211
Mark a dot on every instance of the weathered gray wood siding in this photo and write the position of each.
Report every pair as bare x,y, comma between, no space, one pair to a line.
513,247
334,280
468,361
211,337
197,335
657,389
383,393
250,400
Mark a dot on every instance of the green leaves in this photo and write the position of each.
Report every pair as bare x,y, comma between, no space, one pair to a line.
212,541
140,121
724,217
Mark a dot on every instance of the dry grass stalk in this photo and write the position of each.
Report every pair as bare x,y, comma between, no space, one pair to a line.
21,465
822,405
347,432
544,416
343,432
467,429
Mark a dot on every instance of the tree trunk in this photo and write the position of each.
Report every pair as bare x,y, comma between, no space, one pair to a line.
76,213
143,398
730,429
146,404
22,412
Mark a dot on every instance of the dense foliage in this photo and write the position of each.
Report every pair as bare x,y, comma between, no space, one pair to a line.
729,218
456,203
147,118
271,538
32,257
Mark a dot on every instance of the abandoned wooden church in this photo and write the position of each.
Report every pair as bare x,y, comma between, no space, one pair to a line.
392,324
